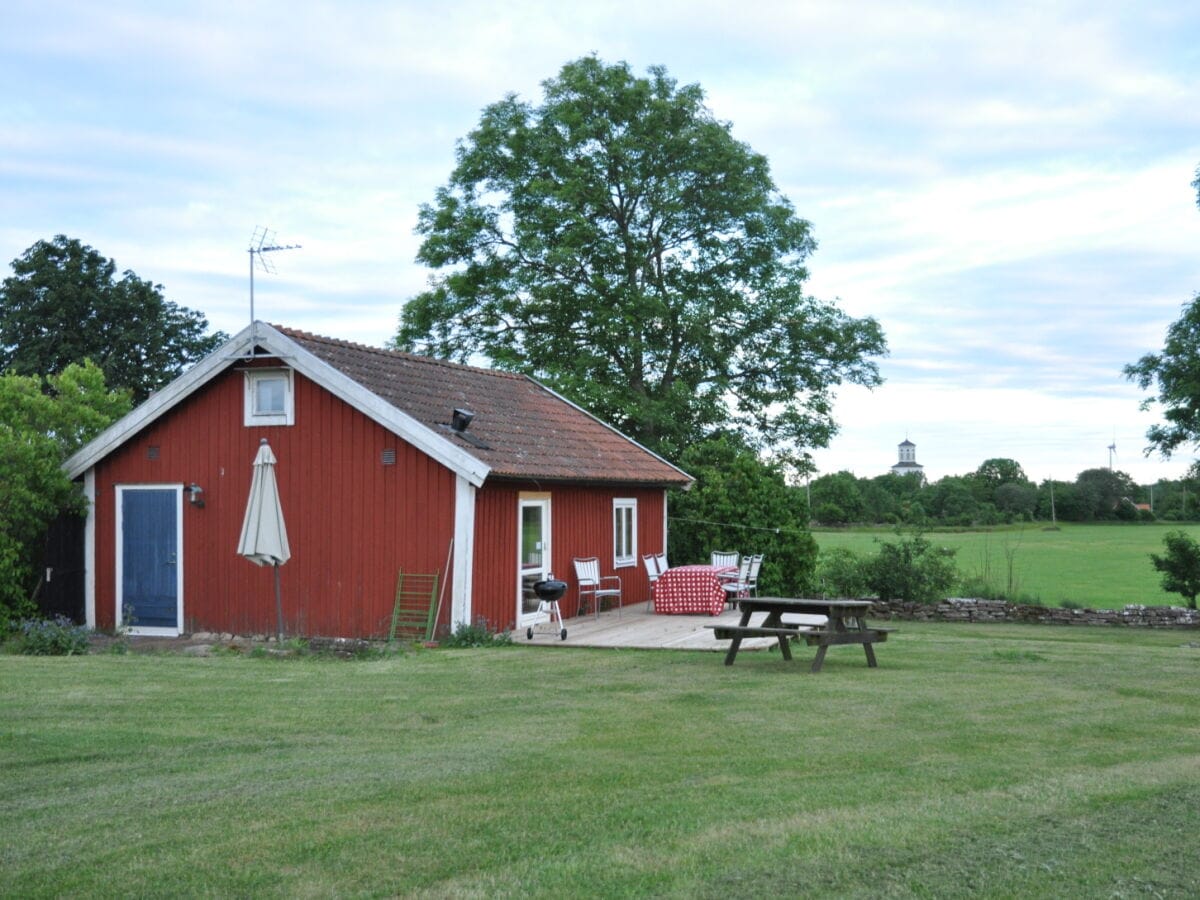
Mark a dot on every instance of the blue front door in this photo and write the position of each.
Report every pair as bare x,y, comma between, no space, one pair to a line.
149,558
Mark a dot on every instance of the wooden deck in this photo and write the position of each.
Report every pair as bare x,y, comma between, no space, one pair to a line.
638,629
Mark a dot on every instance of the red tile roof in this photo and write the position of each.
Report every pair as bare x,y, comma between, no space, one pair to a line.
521,429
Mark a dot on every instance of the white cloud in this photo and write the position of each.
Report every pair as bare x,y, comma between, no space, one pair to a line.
1006,187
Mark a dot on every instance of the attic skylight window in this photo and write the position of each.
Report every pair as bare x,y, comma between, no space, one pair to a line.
269,398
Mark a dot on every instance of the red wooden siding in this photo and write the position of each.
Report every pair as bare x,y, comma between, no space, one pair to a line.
352,521
581,524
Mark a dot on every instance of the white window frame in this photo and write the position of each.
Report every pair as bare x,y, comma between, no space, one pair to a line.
624,507
254,418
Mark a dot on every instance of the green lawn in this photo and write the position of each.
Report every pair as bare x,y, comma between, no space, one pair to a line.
1099,566
976,760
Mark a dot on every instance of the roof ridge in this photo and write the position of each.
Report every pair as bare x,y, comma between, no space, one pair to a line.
393,354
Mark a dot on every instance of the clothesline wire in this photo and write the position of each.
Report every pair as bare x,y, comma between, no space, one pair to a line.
737,525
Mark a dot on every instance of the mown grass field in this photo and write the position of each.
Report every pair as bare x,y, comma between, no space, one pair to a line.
1098,566
993,761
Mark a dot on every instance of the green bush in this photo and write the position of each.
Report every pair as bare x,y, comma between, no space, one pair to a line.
830,514
478,634
52,637
840,573
1180,566
911,569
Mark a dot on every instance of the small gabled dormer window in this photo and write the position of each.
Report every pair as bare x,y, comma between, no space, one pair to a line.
269,397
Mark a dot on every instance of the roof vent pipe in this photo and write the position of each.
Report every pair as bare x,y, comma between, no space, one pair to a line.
461,420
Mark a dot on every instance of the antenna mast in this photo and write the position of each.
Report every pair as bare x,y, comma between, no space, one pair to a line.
263,241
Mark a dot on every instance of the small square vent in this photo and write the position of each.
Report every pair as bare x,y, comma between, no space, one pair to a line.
388,456
152,452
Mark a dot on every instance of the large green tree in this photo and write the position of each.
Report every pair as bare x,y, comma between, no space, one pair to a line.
617,242
64,304
41,423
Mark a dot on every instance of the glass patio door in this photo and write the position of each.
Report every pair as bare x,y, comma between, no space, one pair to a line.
533,561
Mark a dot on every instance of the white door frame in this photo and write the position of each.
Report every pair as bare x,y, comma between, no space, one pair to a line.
538,502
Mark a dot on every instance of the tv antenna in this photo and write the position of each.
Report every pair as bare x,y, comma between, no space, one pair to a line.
263,242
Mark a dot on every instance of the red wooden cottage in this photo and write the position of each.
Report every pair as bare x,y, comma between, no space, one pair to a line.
376,474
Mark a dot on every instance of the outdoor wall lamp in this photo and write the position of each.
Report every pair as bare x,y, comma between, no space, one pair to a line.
195,495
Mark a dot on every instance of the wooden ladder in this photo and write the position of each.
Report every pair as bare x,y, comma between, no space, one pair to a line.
415,610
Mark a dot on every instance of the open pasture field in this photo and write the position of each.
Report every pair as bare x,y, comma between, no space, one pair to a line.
1097,566
993,761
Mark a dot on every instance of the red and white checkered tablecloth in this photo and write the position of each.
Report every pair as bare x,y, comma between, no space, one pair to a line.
690,590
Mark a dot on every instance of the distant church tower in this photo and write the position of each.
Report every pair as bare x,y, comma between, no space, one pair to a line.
908,464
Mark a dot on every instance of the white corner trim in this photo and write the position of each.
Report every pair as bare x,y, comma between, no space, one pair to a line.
666,518
461,600
89,549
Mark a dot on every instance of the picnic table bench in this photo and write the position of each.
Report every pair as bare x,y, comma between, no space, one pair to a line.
844,623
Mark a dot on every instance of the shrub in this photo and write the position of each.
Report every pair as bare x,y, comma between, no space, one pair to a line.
911,569
478,634
1180,566
830,514
840,573
57,637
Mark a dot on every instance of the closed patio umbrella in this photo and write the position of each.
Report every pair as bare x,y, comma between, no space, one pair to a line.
264,537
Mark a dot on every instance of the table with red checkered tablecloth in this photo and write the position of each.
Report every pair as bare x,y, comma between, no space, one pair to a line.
691,590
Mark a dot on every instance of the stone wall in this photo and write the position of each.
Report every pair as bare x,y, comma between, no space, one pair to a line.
958,609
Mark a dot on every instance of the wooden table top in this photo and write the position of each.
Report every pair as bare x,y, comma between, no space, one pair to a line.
793,604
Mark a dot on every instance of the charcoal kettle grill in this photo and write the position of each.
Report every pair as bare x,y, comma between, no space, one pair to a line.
548,593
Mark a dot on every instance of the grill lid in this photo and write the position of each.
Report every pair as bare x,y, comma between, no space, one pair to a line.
549,590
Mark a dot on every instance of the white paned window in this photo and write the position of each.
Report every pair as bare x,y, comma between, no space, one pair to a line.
624,532
269,398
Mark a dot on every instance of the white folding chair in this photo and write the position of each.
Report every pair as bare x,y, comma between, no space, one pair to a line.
592,583
752,576
740,584
724,558
661,559
650,561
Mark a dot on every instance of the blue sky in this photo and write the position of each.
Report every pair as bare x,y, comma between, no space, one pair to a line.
1005,186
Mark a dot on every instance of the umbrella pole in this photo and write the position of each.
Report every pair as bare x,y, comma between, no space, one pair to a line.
278,608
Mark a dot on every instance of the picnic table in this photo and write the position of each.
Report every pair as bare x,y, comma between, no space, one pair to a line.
688,590
845,624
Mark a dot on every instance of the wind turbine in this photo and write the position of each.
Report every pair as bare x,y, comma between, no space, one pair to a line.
1112,451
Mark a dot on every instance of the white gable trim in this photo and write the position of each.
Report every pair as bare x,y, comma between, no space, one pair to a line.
259,334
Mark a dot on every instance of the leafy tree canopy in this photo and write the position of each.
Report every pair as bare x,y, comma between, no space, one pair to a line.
837,498
1175,374
618,243
41,423
995,472
64,304
741,503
